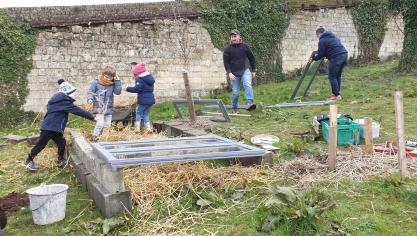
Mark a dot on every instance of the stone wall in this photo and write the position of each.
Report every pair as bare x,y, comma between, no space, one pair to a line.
79,41
81,52
300,39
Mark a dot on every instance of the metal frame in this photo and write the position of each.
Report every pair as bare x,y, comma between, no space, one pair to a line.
303,75
217,102
211,147
301,104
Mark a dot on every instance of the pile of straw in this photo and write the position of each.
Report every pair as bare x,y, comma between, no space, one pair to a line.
351,163
146,183
127,133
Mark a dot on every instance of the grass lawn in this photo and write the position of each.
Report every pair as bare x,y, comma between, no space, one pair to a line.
378,206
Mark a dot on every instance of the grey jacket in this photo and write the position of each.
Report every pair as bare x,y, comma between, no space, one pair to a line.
103,95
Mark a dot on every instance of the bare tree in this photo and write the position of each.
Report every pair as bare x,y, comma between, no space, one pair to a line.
186,46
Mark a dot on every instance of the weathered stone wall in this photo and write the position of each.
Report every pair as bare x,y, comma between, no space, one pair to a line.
79,41
300,39
80,52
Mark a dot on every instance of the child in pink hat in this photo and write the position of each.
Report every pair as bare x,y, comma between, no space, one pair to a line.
144,86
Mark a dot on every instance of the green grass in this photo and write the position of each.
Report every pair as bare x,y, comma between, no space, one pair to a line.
373,207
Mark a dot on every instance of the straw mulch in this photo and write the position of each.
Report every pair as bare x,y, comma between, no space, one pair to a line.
147,183
351,163
169,183
127,133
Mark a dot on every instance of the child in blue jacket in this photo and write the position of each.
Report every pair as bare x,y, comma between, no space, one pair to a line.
144,82
101,96
54,123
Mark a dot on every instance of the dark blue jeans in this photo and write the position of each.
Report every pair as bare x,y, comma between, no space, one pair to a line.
336,66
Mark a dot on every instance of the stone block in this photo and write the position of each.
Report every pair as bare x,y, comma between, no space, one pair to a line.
32,140
14,138
109,204
80,171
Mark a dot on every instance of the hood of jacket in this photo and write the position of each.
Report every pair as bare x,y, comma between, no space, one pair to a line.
148,79
59,101
327,34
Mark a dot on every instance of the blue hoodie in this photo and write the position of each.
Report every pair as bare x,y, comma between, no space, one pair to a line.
57,112
144,88
329,47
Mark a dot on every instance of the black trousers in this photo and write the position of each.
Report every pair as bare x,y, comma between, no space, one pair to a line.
43,141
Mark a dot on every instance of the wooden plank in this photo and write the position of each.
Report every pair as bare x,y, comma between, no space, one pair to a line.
399,115
369,146
332,138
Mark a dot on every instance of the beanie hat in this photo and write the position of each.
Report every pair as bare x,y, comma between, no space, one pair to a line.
65,87
139,68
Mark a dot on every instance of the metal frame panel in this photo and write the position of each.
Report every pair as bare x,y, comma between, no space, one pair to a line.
209,146
218,102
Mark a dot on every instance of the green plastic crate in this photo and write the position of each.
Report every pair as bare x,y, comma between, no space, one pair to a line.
348,132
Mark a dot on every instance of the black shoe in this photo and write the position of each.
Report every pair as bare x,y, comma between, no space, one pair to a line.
61,163
251,107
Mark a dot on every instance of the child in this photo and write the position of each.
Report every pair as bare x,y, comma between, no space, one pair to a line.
54,123
144,88
101,94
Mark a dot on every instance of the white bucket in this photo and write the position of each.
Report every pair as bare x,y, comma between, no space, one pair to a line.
48,203
375,128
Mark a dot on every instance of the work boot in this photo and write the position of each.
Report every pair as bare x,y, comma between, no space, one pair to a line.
30,165
61,163
333,97
251,106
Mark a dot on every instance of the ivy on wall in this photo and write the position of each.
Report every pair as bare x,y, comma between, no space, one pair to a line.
262,24
17,43
370,18
408,10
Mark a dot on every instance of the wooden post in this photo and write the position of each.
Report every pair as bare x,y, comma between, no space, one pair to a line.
332,137
188,96
369,146
399,114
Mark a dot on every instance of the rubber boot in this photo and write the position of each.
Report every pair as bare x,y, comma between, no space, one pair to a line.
148,127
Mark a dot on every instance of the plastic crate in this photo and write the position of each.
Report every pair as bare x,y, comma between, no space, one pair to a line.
348,132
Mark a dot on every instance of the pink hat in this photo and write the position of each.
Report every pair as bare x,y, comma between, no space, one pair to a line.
139,68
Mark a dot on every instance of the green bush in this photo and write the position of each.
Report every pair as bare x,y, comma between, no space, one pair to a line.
370,18
262,24
17,43
408,10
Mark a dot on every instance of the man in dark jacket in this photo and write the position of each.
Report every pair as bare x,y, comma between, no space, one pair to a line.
331,48
235,59
54,123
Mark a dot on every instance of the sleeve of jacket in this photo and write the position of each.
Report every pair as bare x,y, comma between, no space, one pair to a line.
92,91
80,112
136,89
321,51
117,87
226,60
251,58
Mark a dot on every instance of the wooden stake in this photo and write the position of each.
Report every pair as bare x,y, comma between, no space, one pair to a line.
188,96
399,114
369,146
332,138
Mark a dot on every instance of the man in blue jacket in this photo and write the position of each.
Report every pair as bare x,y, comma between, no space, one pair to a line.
54,123
331,48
